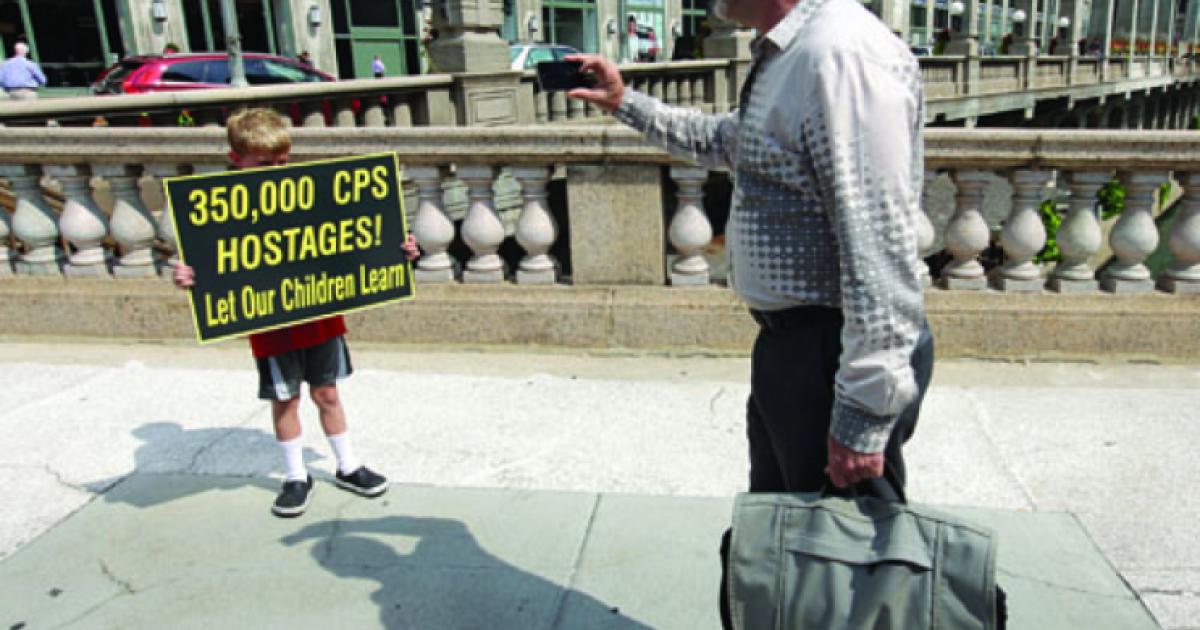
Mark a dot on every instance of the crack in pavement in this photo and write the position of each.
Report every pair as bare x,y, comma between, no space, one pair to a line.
1064,587
191,468
982,418
124,585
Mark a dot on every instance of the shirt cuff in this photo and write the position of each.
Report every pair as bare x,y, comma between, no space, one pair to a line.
858,430
636,110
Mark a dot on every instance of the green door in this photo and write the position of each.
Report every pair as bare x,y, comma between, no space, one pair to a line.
389,48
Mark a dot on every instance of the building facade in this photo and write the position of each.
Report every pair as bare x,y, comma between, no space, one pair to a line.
74,40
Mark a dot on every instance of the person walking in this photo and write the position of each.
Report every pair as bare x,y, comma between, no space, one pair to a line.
19,77
826,151
378,68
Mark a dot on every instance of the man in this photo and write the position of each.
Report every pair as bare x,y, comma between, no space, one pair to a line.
827,158
19,76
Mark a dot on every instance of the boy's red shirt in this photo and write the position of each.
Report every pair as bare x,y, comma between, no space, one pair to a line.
276,342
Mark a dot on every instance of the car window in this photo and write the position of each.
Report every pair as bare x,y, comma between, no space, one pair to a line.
216,71
514,52
288,73
561,52
538,55
184,72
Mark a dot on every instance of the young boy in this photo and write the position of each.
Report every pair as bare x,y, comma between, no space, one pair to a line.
314,352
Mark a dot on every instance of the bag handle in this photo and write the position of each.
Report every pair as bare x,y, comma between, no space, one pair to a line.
887,487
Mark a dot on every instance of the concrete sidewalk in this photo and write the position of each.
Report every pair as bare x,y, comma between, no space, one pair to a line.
544,490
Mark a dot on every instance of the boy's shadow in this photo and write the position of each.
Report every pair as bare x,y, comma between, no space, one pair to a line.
447,580
244,457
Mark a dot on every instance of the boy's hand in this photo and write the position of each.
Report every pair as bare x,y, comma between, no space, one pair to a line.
184,276
410,247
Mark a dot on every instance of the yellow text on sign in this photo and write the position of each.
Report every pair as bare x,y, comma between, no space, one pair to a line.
348,186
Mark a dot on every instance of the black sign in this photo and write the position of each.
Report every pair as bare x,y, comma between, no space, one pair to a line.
277,246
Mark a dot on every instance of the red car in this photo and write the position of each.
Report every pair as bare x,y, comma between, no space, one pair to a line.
198,71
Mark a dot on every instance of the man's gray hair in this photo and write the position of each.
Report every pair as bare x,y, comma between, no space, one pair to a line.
21,49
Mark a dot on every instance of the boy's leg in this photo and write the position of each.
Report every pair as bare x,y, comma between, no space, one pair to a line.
327,364
279,382
285,415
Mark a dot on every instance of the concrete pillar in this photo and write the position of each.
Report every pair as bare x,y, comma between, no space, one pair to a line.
298,32
145,35
1183,275
965,40
729,40
1191,26
930,8
1024,41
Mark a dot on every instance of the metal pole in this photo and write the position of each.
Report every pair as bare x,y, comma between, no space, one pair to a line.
233,45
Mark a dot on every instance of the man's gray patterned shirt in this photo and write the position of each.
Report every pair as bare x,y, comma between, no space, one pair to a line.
827,159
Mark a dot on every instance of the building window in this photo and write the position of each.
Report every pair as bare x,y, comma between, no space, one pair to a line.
72,40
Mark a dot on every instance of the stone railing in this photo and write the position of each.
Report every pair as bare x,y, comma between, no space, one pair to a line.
402,102
634,215
703,85
956,87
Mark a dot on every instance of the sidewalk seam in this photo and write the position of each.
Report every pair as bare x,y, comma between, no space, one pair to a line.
982,419
560,605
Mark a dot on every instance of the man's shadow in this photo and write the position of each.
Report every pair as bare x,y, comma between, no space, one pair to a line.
181,459
447,580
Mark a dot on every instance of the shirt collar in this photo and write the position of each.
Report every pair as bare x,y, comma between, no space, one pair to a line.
786,30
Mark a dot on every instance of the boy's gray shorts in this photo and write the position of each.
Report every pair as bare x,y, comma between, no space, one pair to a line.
279,377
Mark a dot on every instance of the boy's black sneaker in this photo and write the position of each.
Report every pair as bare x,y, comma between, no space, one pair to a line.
363,481
293,498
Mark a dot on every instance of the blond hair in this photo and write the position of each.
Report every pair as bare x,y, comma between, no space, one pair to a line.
258,130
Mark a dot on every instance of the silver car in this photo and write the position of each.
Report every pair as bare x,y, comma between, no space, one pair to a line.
527,56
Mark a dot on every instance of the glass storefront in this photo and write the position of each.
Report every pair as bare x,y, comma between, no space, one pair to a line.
365,29
572,23
72,40
206,30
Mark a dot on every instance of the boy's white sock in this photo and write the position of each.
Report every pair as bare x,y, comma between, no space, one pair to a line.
347,462
293,458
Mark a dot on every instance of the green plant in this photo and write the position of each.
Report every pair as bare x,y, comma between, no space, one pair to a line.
1112,200
1051,221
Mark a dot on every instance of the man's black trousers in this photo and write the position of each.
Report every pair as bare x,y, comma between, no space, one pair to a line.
792,371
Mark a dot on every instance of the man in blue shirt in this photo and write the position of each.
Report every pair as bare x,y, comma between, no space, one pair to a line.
19,76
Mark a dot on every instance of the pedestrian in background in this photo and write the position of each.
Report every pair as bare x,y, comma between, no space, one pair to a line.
19,77
378,68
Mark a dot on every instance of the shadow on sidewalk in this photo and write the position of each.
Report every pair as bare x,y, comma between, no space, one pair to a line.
444,579
167,448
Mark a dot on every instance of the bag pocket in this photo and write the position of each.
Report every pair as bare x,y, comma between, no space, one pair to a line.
840,573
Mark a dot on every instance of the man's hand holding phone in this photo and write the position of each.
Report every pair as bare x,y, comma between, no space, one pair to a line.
607,89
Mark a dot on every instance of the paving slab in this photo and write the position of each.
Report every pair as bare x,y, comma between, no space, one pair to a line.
193,551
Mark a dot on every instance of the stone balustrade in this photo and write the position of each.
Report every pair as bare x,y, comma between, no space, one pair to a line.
599,207
957,88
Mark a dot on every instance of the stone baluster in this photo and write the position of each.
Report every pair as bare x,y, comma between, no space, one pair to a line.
926,234
577,109
82,223
536,230
698,97
34,224
166,225
432,226
132,224
343,115
541,105
1079,237
685,91
401,110
373,112
6,258
1183,276
1135,236
1024,234
967,233
690,230
482,229
312,114
671,93
558,106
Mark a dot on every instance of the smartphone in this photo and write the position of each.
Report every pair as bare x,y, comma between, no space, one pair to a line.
563,75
